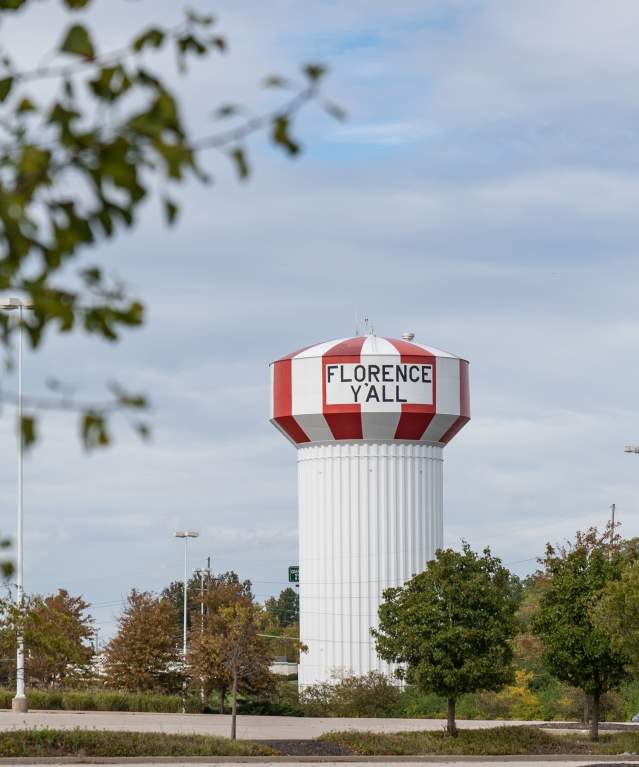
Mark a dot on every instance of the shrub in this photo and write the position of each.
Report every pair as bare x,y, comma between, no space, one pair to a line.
371,695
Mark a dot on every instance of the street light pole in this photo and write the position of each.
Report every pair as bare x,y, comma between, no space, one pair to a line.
186,534
19,703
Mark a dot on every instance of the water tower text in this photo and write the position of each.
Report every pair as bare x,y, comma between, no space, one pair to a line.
371,383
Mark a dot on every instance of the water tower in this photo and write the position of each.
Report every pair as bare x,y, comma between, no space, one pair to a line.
370,418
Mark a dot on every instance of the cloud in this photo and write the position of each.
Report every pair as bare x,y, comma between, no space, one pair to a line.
483,194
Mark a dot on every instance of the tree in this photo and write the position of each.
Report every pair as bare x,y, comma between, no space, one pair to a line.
285,609
235,650
206,663
145,654
575,649
452,626
57,632
219,590
105,133
616,613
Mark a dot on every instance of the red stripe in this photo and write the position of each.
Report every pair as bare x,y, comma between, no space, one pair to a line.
405,347
294,354
414,419
344,421
464,404
283,401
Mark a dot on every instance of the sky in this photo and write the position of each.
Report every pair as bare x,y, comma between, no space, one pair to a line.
483,194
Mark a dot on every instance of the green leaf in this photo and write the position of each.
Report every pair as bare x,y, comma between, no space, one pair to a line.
78,42
93,430
282,137
28,431
5,87
11,5
191,43
314,72
171,210
239,158
151,38
76,5
26,105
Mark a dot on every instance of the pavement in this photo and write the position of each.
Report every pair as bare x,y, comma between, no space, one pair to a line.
248,727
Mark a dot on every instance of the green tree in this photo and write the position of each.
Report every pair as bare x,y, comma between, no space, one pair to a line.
57,631
207,669
85,140
452,626
616,613
575,649
145,654
285,609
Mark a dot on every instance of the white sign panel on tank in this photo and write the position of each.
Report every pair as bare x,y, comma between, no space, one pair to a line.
378,382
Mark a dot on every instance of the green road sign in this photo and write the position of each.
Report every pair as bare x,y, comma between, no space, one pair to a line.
294,574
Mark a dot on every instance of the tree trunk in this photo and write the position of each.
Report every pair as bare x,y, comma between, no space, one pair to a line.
234,706
594,717
222,692
586,714
451,727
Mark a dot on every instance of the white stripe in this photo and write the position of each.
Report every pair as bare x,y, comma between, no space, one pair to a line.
319,349
376,345
379,419
306,374
447,385
435,352
438,426
272,402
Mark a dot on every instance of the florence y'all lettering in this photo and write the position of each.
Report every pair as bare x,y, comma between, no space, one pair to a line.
364,379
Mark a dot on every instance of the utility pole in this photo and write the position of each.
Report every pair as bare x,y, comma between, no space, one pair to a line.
612,530
201,572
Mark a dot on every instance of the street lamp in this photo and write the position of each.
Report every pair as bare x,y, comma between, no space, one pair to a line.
19,703
631,449
186,534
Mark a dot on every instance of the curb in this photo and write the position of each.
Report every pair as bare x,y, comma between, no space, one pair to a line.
588,759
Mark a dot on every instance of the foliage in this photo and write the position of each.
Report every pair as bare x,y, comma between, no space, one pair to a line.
373,694
207,667
499,741
89,743
6,565
229,653
144,655
85,140
285,610
57,633
575,650
616,613
452,626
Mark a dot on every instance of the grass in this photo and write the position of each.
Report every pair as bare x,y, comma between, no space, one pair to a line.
34,743
101,700
497,741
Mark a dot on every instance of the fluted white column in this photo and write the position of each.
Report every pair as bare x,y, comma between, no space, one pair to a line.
370,517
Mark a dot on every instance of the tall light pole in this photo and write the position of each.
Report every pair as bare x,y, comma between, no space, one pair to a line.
19,703
186,534
631,449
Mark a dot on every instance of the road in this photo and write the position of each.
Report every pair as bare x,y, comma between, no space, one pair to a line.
249,727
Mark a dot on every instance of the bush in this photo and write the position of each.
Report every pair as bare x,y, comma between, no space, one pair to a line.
361,696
